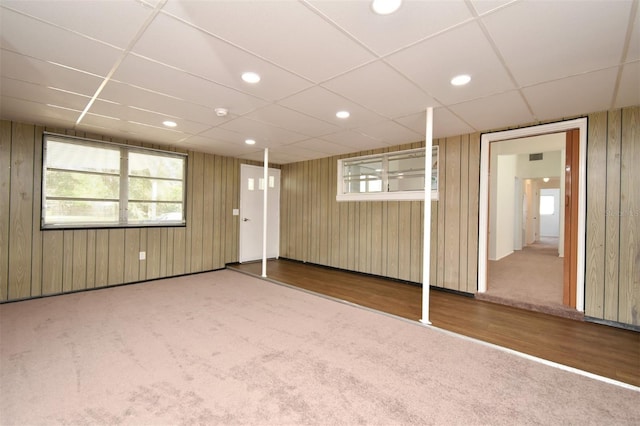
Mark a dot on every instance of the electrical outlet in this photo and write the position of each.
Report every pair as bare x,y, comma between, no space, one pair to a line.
143,255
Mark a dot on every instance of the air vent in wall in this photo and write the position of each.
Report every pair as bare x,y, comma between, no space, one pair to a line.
535,157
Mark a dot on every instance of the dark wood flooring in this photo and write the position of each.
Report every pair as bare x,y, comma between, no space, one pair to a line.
596,348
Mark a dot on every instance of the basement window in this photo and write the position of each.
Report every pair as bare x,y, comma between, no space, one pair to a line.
390,176
95,184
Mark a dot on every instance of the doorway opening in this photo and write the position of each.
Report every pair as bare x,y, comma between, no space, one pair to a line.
531,253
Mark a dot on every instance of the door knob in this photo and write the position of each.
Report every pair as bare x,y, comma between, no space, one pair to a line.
246,219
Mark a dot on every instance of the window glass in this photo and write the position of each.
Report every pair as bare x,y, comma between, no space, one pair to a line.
388,176
92,184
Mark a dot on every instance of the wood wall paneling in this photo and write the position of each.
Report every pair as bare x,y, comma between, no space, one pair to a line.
208,204
78,271
596,208
91,259
629,275
20,210
197,204
452,214
463,208
102,257
5,203
611,247
36,235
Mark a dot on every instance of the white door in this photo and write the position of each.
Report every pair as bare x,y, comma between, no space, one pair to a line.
251,212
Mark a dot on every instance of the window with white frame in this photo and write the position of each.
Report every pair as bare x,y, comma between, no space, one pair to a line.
91,184
396,175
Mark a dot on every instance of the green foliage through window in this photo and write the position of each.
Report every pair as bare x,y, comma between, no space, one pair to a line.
98,184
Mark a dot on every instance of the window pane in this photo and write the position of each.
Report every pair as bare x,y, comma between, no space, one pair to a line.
363,176
69,184
406,172
155,165
547,204
74,155
140,212
80,212
154,190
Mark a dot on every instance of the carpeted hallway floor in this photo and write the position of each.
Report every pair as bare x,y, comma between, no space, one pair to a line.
530,278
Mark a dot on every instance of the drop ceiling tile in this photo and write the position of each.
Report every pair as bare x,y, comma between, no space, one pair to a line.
354,140
20,67
224,135
633,54
299,152
445,123
270,29
160,78
116,23
41,94
160,103
380,88
36,113
391,133
629,90
505,109
210,145
415,20
323,104
571,96
280,116
133,130
43,41
323,146
465,50
264,134
177,44
560,38
150,118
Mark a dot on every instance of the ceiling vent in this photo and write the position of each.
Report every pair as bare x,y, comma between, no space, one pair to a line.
535,157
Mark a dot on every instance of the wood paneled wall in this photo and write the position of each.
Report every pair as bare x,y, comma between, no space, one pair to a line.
385,237
35,262
613,217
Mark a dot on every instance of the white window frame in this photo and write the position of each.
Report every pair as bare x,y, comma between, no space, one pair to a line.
414,195
123,198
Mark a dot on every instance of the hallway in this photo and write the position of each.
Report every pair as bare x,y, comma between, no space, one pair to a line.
531,278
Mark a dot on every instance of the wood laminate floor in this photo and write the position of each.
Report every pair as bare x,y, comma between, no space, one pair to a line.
600,349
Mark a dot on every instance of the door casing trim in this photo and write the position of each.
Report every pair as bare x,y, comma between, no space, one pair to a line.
483,220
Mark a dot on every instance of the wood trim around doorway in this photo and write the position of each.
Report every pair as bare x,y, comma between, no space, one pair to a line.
571,217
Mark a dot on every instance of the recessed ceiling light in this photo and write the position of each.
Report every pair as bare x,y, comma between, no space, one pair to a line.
221,112
251,77
250,142
169,123
342,114
460,80
385,7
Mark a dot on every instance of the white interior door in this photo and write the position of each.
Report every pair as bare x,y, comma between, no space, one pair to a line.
251,212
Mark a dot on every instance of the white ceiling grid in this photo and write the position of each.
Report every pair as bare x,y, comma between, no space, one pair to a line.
149,61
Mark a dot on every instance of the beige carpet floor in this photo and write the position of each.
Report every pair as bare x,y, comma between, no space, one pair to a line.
226,348
531,278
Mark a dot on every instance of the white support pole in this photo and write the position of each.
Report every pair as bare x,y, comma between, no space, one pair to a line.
426,260
264,212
